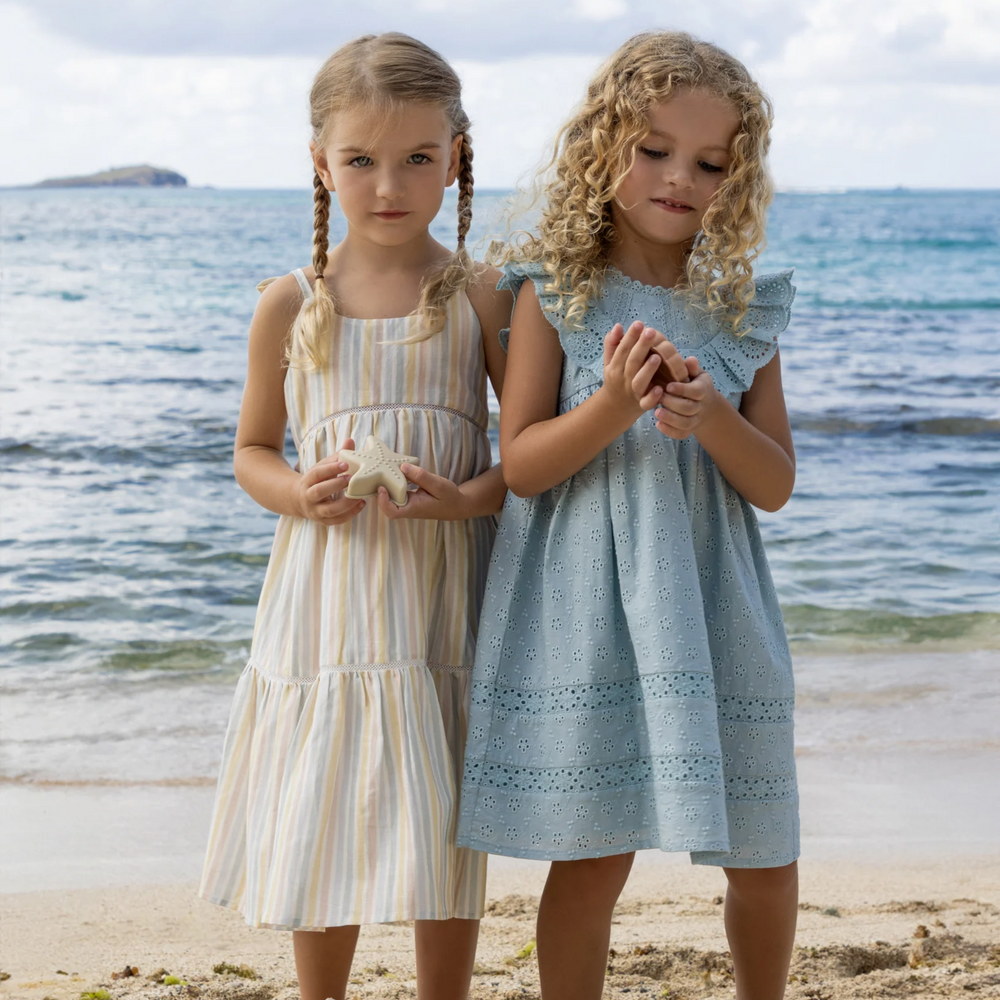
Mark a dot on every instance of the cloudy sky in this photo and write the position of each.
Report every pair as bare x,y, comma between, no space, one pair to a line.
867,94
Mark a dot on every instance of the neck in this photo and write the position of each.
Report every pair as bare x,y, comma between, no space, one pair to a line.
651,263
355,253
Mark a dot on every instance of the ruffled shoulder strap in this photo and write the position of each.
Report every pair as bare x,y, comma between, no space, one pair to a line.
582,346
733,361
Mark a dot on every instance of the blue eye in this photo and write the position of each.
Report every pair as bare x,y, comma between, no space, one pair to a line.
653,154
709,168
420,158
357,161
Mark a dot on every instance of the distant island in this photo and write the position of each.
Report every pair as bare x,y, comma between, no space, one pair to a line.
141,176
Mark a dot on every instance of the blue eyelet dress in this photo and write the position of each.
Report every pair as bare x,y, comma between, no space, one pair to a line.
632,685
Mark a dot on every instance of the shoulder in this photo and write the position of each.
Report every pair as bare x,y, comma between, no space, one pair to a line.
734,359
531,277
491,304
279,296
277,309
516,272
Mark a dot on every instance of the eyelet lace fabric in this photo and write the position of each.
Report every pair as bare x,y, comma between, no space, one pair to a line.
731,360
633,686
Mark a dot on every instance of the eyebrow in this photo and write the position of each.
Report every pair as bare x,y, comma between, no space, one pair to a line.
368,152
663,135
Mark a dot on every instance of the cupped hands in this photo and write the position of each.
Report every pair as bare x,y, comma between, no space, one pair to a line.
639,364
436,498
685,406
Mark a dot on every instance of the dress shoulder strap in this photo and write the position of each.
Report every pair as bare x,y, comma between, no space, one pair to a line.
300,277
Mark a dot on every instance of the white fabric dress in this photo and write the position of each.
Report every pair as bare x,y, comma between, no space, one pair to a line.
338,794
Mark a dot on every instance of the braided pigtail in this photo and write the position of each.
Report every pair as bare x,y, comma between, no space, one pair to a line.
439,288
382,74
309,346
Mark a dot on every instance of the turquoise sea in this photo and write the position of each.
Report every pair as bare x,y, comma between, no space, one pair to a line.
130,561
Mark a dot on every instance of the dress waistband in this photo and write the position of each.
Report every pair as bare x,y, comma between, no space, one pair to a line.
381,407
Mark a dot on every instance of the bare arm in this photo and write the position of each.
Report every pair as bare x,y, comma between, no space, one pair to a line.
540,449
258,458
493,308
751,446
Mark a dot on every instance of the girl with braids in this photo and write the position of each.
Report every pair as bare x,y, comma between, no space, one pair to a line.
337,800
633,685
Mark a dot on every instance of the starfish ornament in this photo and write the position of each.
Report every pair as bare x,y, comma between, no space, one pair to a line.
374,466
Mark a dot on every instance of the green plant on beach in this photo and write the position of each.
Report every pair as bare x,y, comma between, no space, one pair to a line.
523,955
95,995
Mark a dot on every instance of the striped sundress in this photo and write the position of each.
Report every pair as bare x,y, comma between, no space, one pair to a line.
338,794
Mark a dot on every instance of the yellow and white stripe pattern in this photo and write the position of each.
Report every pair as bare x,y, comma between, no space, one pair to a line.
338,794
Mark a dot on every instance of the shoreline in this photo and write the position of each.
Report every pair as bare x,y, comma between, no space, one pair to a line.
916,929
896,757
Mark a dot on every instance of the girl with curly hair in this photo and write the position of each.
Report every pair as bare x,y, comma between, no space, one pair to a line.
633,684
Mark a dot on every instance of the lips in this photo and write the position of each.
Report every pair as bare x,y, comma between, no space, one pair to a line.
673,205
391,215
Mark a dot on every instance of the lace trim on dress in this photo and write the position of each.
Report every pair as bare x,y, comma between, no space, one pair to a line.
686,768
756,710
570,780
731,360
384,407
596,697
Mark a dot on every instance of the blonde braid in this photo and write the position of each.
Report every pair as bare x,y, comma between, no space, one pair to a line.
321,224
465,189
309,346
439,288
382,74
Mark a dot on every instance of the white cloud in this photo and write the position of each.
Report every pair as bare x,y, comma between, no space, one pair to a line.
469,29
600,10
848,42
909,95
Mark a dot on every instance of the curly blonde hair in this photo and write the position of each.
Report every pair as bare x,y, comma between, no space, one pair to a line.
596,148
381,73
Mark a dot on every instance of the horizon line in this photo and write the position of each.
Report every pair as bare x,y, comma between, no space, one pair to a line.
791,189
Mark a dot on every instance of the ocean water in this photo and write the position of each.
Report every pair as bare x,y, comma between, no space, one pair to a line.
130,561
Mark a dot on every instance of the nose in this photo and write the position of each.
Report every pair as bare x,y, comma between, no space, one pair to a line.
679,173
389,185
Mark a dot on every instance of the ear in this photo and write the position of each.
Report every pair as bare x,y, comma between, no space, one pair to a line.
454,159
322,166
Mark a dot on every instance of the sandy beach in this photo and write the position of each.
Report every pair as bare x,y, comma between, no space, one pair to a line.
909,930
897,759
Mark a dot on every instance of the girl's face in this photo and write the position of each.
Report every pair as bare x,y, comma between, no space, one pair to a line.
389,173
678,168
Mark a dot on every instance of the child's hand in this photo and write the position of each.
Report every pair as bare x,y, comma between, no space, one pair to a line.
673,368
685,406
317,486
629,366
438,499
